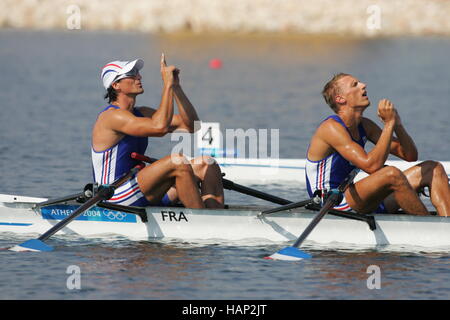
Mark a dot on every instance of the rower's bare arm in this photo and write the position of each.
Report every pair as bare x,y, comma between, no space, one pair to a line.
184,121
402,147
125,122
177,123
339,139
408,147
163,116
187,113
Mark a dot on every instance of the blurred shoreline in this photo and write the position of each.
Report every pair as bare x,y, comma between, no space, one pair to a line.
364,18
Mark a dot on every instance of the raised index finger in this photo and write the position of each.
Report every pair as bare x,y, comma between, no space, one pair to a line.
163,60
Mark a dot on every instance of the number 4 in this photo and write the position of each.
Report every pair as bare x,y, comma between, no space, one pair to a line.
208,136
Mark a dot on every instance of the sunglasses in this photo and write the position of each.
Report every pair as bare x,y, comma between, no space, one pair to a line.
130,74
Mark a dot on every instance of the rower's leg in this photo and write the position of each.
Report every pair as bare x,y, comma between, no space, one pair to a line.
432,174
365,195
173,170
209,175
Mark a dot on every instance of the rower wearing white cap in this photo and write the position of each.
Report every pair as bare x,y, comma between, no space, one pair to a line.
121,128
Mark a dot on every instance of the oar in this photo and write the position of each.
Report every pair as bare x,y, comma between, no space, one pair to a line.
105,192
288,206
293,253
87,193
228,184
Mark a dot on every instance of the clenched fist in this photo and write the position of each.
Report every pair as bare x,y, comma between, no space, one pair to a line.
386,111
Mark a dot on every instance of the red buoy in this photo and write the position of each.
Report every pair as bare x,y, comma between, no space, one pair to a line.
215,64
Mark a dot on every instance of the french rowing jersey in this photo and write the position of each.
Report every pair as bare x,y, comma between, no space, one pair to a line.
110,164
328,173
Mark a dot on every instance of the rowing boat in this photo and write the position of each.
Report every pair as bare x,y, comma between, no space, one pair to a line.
20,215
253,170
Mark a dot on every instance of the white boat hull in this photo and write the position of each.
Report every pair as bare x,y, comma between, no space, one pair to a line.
237,225
228,225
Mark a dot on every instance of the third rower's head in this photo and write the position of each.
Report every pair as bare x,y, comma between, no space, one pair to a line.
345,90
122,77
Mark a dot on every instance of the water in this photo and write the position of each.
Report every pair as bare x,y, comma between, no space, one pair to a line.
122,269
50,94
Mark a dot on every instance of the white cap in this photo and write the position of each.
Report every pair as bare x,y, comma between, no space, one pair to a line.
113,71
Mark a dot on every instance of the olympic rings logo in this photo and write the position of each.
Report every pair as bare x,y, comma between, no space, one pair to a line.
111,215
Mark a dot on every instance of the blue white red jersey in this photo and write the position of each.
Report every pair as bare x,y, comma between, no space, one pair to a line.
110,164
328,173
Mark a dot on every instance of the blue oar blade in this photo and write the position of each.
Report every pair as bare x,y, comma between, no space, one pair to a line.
289,254
32,245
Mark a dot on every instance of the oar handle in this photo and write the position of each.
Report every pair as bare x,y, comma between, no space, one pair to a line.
141,157
348,180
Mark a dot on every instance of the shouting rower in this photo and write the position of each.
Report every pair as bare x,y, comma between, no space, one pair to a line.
337,147
122,128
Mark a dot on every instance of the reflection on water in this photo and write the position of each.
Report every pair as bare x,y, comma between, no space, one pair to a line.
124,269
143,269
